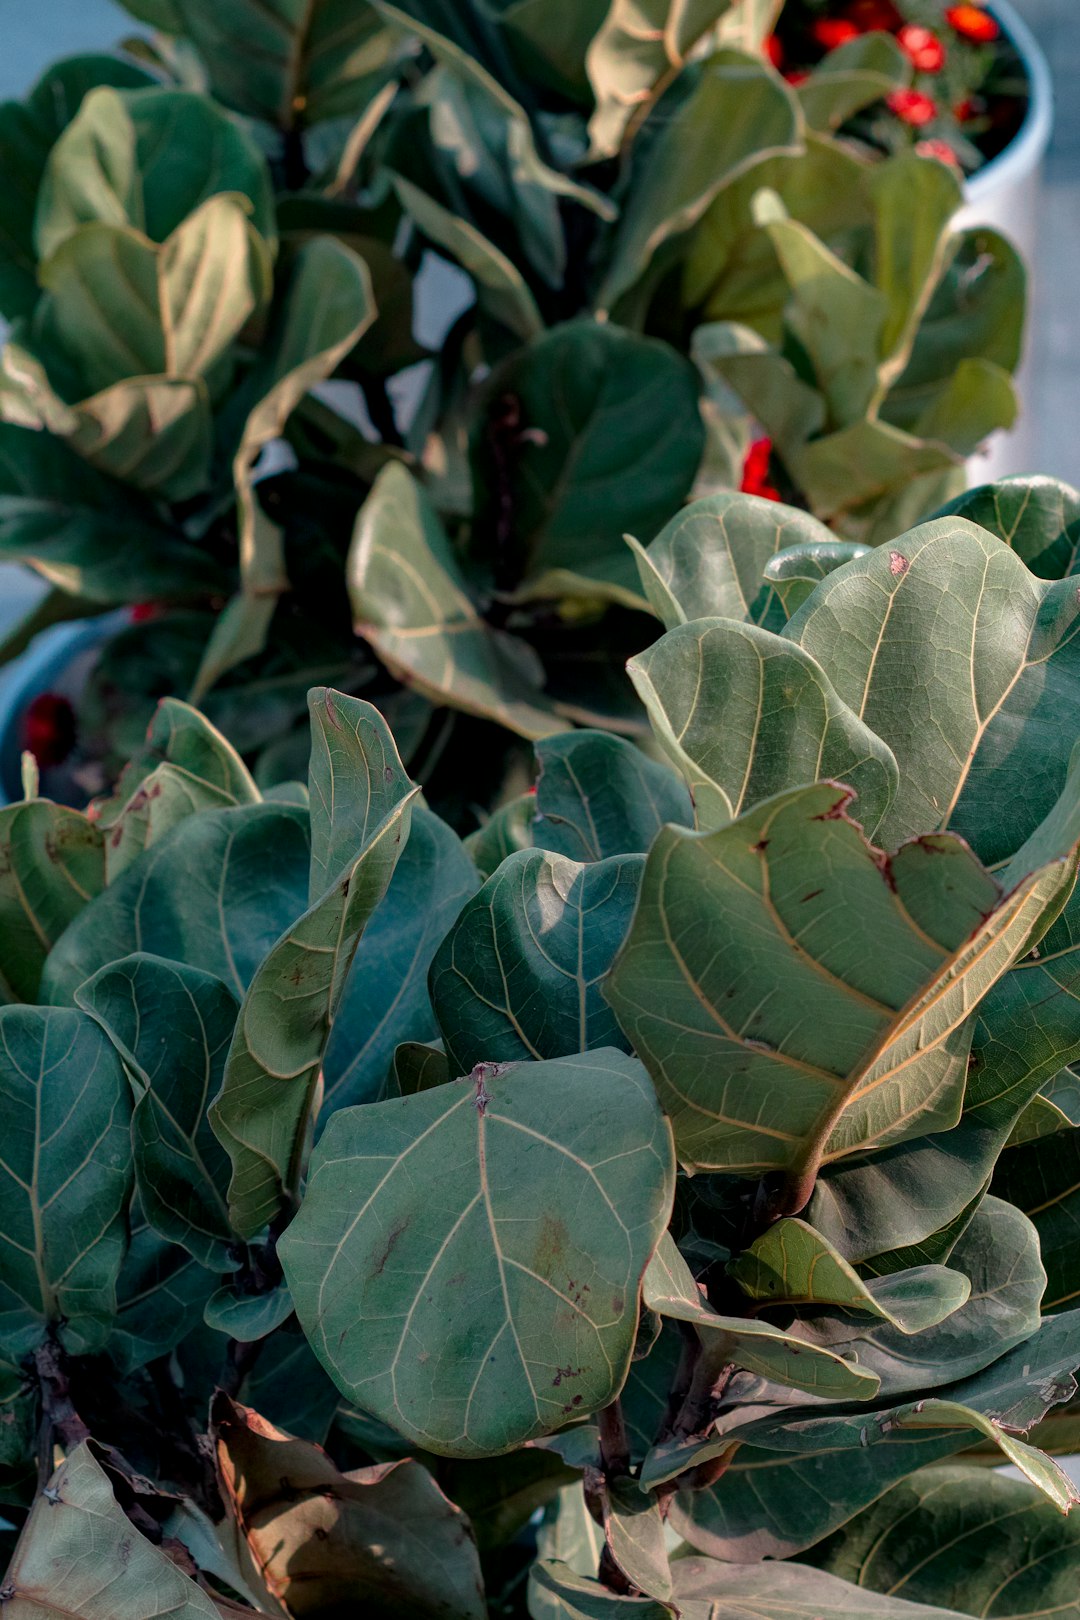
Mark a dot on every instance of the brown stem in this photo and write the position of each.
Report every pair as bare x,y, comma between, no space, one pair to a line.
59,1419
614,1441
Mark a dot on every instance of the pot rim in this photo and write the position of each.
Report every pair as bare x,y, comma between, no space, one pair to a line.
1027,149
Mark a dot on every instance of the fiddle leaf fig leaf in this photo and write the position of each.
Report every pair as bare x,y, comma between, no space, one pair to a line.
852,76
743,719
638,49
519,973
992,645
181,736
1055,1107
557,1592
951,1513
520,1279
1038,517
791,1264
1040,1177
711,560
410,602
599,796
508,828
892,954
635,1535
704,1586
759,1347
692,152
65,1178
616,450
794,572
311,1535
52,864
147,158
215,893
80,1555
171,1026
162,800
361,800
385,1000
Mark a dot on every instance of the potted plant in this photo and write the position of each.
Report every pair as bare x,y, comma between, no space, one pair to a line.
705,1119
462,507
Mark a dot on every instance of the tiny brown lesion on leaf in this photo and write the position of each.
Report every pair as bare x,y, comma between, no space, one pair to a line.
898,563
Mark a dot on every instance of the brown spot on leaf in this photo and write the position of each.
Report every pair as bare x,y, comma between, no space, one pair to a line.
550,1246
898,563
565,1372
388,1250
811,896
618,1304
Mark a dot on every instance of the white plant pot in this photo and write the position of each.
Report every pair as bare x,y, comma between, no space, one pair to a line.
1006,195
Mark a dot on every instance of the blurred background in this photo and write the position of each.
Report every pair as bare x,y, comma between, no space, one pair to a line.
34,32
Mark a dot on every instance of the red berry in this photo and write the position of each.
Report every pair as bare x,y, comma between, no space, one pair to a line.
923,48
870,16
972,22
940,150
912,107
774,51
796,78
833,31
48,728
755,478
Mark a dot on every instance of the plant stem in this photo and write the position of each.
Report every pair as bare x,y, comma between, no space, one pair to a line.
614,1441
59,1419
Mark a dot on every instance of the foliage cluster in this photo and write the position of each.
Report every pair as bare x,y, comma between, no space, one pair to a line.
626,1212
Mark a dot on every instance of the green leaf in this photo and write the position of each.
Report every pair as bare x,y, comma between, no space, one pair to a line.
326,307
215,893
171,1026
385,1000
1038,517
557,1592
118,306
361,797
952,1515
988,656
247,1317
635,1534
164,798
852,76
794,572
704,1587
792,1264
51,865
798,1475
295,63
519,973
638,51
501,288
181,736
161,1292
410,602
314,1536
147,158
725,116
1055,1107
550,41
797,997
759,1347
711,560
744,716
520,1278
414,1068
1042,1178
611,440
506,829
27,133
79,1555
65,1179
85,532
598,796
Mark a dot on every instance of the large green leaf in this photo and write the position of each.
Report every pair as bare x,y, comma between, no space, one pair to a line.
486,1316
1043,1179
759,1347
610,440
550,40
27,133
291,62
794,572
161,1293
80,1556
785,1592
710,560
852,76
215,893
384,1536
798,1475
118,306
65,1178
638,51
171,1026
597,796
361,799
409,601
798,997
988,659
1038,517
519,973
85,532
147,158
791,1264
52,864
949,1517
181,736
385,1000
719,119
744,716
